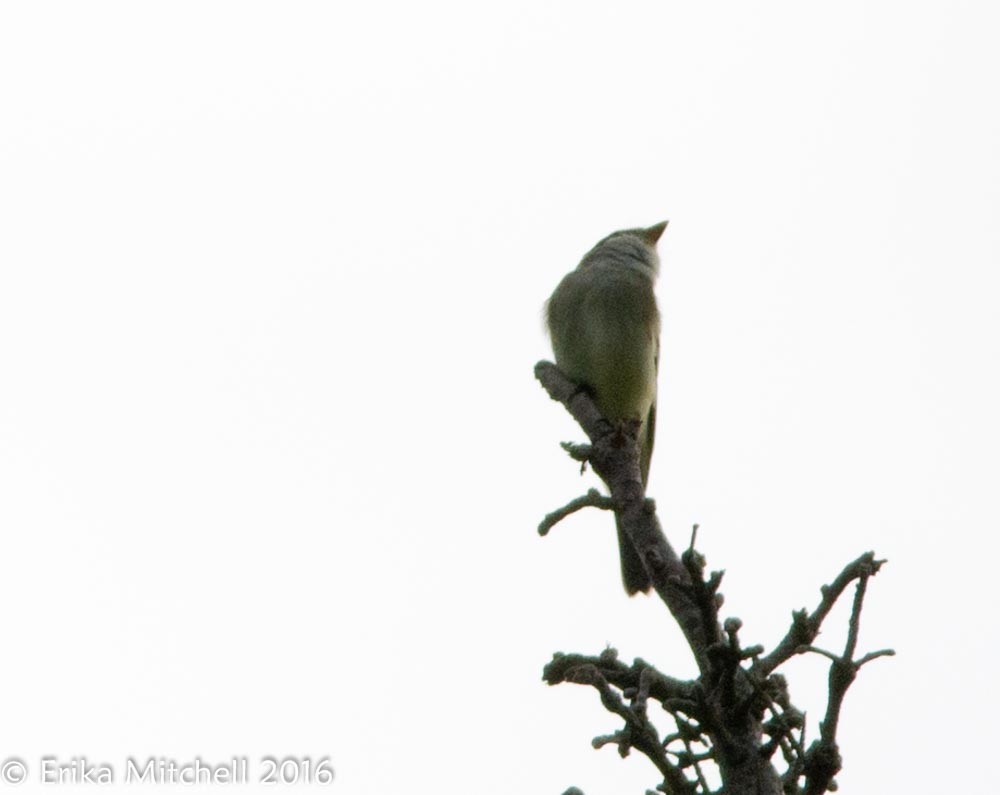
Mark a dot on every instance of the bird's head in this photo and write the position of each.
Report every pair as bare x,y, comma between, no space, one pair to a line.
630,247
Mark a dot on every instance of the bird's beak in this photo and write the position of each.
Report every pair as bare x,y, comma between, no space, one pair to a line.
653,233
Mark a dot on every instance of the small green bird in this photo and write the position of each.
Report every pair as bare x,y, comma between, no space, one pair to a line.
605,331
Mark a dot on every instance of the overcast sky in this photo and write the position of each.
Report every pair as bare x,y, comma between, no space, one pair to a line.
271,452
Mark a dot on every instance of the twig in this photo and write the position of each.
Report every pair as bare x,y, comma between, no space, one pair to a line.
822,760
805,627
592,499
638,733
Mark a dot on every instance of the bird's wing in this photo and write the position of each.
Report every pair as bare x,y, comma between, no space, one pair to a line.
650,424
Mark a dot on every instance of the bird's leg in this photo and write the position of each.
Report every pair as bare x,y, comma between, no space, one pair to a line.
626,431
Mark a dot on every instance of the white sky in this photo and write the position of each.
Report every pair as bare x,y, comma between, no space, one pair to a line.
271,452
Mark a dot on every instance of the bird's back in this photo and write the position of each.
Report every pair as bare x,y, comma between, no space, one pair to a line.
605,331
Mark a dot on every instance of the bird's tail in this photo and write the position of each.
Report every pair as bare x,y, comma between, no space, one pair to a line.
634,574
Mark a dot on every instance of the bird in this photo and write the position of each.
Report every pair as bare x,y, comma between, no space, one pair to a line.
604,325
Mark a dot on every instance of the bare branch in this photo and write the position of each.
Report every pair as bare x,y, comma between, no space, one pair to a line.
805,627
874,655
822,760
578,452
592,499
617,464
738,709
638,733
639,675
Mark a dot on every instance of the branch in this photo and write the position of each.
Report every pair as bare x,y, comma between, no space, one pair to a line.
804,627
738,708
592,499
658,686
822,760
617,464
638,732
